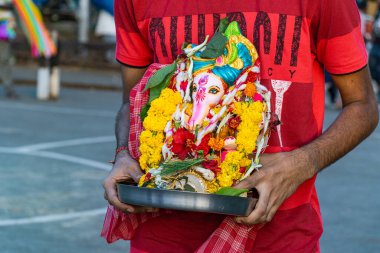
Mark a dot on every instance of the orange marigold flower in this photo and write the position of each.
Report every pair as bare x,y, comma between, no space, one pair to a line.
250,90
216,143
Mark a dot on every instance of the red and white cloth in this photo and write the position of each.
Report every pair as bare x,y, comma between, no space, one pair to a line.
228,237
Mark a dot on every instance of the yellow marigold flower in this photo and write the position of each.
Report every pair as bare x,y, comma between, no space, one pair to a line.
216,143
212,186
152,138
145,135
245,162
248,130
143,162
250,90
225,180
156,158
230,169
238,108
189,109
142,180
216,110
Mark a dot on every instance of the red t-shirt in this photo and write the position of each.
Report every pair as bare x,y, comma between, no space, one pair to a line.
295,39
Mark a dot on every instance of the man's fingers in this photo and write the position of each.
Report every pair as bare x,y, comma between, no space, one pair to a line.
143,209
136,176
110,194
114,201
247,183
271,213
258,215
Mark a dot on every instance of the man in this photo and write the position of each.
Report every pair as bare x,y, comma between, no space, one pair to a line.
295,39
7,33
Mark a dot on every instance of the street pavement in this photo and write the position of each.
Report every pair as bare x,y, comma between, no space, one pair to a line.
54,157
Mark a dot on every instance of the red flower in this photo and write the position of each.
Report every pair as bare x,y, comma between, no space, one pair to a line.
147,177
183,143
203,146
252,77
211,165
234,122
183,85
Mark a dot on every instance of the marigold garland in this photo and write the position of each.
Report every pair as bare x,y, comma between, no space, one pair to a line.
152,138
251,115
230,168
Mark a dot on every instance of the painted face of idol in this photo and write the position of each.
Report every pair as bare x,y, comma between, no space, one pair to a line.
207,91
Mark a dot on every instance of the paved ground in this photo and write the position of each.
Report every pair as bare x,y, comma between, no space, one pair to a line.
54,156
349,197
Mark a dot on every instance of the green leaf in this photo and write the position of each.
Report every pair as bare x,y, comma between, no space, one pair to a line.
215,47
160,76
145,184
155,92
144,111
176,166
177,124
184,45
223,24
156,88
196,130
229,191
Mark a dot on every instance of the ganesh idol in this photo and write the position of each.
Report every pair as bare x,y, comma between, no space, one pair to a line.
219,120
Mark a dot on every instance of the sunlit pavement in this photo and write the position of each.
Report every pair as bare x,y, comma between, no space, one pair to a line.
54,156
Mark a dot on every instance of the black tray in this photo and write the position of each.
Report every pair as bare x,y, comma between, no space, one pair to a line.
187,201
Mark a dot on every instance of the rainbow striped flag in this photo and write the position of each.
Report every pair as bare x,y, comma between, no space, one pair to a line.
31,20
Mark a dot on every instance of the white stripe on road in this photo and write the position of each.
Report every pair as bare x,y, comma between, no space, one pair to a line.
62,157
54,109
66,143
51,218
73,159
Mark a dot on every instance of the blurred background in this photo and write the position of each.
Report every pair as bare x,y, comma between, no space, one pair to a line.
60,92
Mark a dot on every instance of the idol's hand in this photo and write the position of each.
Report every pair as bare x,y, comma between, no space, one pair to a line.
125,167
279,178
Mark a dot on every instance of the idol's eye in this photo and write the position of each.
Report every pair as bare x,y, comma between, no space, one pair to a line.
214,90
194,88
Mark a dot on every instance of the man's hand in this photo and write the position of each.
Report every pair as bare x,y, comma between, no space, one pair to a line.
282,173
125,167
279,177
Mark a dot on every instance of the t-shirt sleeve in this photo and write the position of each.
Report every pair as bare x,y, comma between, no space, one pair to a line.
131,46
340,44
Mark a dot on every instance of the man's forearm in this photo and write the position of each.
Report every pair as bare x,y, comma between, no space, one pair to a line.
130,77
122,126
356,121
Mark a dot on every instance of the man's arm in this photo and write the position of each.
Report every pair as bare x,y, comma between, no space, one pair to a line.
282,173
125,166
130,76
